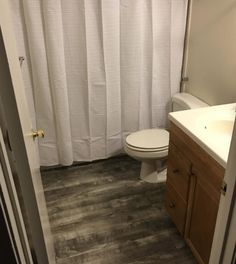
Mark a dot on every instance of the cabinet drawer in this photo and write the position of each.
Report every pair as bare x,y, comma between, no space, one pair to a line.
178,171
176,207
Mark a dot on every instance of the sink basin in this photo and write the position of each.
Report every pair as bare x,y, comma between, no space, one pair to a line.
217,123
220,126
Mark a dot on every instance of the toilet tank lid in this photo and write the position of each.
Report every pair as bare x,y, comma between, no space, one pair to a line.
188,101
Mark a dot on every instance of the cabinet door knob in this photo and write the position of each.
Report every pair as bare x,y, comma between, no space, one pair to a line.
172,205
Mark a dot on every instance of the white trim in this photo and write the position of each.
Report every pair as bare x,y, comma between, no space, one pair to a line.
231,238
8,226
225,206
11,212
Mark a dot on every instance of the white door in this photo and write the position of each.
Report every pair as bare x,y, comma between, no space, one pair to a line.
13,100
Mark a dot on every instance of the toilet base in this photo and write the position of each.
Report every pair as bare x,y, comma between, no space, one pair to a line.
153,171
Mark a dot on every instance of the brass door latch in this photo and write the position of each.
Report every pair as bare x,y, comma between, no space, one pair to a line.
38,133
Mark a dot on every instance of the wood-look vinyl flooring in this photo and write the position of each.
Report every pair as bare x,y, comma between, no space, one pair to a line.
102,213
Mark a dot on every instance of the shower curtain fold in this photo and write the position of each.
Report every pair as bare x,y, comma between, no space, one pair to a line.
99,69
52,18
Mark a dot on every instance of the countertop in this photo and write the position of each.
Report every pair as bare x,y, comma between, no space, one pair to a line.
211,127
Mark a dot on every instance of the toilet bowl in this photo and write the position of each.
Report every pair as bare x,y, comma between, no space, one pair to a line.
150,146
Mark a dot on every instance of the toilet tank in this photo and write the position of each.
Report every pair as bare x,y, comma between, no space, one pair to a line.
184,101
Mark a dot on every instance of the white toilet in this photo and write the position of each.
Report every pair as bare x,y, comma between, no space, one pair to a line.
150,146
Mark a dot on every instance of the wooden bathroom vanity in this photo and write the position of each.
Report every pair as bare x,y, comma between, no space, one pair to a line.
193,190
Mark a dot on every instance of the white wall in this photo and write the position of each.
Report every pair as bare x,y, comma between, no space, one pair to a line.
211,62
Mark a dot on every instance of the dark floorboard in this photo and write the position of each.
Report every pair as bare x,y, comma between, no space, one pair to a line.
101,213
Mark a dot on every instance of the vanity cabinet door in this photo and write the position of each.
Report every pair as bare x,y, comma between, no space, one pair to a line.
176,207
202,218
178,171
193,187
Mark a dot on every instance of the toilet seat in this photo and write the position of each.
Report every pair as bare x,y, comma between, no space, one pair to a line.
148,140
150,146
146,150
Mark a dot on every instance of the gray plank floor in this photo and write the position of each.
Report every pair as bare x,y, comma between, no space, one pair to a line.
101,213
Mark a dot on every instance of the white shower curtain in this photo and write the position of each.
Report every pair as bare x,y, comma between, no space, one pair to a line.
97,70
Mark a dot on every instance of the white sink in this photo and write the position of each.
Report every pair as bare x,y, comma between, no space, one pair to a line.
223,127
217,122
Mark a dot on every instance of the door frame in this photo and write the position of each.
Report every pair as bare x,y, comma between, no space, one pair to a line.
230,247
223,242
8,250
18,123
12,207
